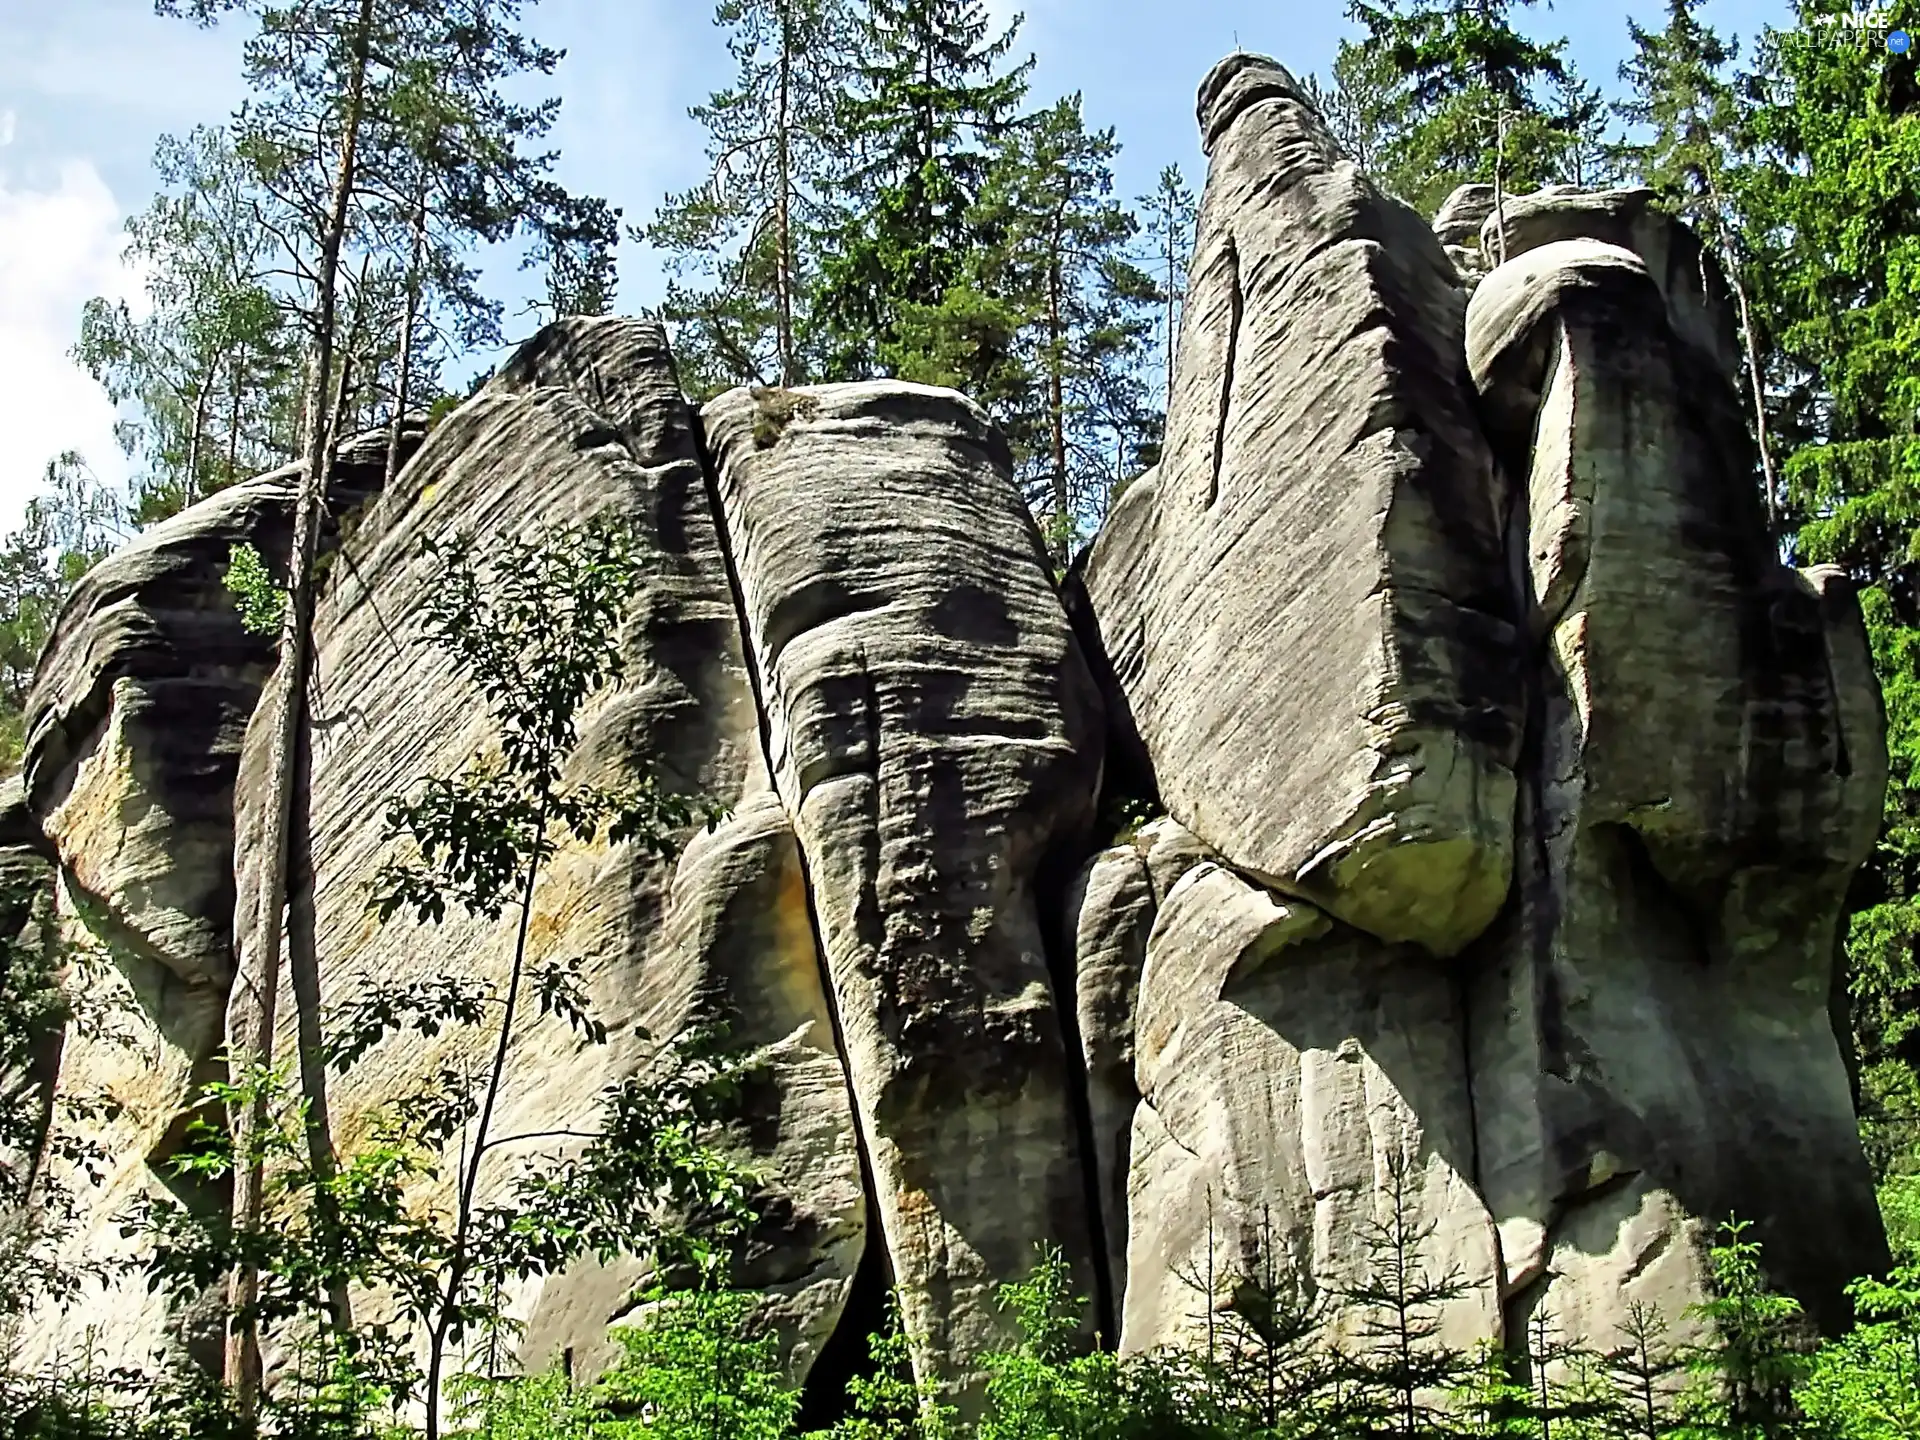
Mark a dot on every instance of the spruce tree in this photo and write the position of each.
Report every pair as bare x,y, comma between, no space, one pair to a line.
1170,216
1367,104
1081,313
1472,90
1389,1382
1680,93
1830,197
931,91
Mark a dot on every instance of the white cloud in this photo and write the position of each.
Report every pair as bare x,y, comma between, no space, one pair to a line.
60,244
6,127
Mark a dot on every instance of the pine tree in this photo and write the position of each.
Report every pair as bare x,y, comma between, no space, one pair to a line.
375,129
1080,311
1589,155
1171,214
1367,104
1471,86
740,247
928,96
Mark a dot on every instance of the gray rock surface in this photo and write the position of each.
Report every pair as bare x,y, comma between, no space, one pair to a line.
1110,911
1462,214
587,421
1296,1077
1653,1045
1325,516
934,733
1691,282
1512,791
134,732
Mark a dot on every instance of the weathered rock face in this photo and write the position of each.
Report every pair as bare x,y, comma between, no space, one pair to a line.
134,731
1653,1040
587,422
1687,274
933,731
1513,788
1325,517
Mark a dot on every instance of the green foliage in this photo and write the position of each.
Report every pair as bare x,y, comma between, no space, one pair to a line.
535,626
888,1403
261,603
1063,379
68,528
1866,1385
692,1370
210,368
1401,1365
1743,1381
1048,1385
743,249
928,91
1471,108
1829,202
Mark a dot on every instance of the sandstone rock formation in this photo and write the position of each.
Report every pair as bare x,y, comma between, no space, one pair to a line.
1511,790
932,729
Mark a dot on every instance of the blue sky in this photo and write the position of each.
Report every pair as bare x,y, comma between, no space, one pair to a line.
87,85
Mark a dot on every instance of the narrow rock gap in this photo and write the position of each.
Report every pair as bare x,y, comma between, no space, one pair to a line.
847,1356
1236,302
1053,881
873,1253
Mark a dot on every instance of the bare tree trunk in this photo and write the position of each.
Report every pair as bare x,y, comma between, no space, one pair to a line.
233,418
1173,246
407,324
303,963
193,440
1500,180
251,1012
1755,381
789,368
1056,396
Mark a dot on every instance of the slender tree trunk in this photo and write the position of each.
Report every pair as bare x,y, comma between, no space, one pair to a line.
783,152
1751,347
1173,247
233,417
199,431
460,1262
251,1014
303,961
1500,179
1056,396
407,323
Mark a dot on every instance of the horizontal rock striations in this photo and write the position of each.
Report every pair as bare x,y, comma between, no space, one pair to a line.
934,734
1495,795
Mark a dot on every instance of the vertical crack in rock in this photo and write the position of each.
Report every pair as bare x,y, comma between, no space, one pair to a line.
1057,937
1236,306
711,484
845,1356
935,744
